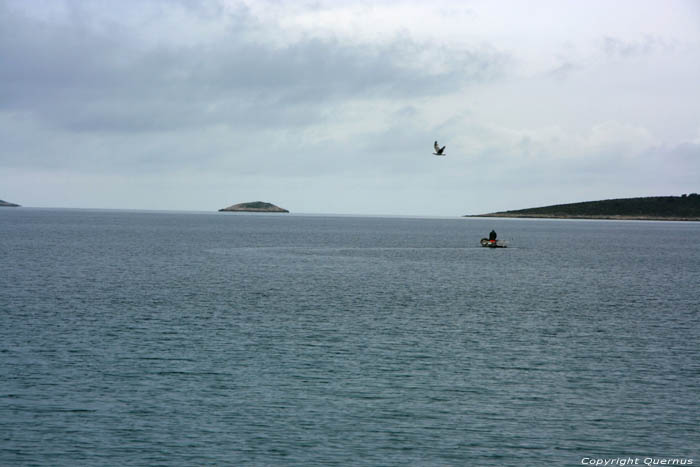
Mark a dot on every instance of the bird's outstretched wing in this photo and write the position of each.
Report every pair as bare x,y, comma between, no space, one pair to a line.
438,149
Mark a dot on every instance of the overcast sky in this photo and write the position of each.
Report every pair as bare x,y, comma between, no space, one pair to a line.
333,106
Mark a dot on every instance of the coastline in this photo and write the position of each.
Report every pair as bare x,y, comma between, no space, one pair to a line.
590,217
254,210
254,206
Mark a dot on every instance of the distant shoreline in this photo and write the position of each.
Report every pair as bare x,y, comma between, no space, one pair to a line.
651,208
591,217
254,206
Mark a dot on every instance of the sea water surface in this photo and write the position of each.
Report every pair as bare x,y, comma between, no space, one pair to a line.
155,338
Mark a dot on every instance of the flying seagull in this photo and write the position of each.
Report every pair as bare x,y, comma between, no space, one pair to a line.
438,149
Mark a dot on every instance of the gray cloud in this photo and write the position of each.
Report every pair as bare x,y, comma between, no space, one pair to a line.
101,79
563,71
620,48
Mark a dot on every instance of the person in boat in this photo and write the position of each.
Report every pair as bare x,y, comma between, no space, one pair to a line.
492,236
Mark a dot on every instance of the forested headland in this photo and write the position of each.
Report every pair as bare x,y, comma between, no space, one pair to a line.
684,207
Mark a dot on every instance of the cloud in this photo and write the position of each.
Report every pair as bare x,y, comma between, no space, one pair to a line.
619,48
563,71
83,78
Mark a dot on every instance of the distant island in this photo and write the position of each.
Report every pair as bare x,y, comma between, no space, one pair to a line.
255,206
5,204
667,208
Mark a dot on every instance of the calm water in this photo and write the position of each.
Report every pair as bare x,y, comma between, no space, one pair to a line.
138,338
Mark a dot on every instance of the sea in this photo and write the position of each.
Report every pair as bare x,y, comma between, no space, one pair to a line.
192,338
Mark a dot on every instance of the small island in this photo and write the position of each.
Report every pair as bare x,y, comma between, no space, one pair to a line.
255,206
663,208
5,204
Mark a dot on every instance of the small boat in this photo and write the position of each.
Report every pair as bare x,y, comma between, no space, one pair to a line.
485,242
